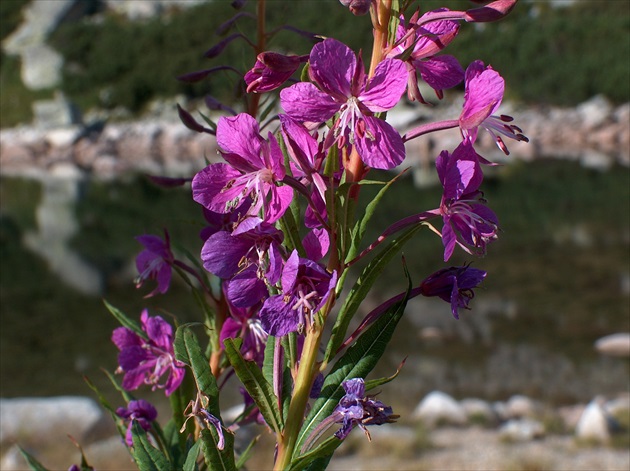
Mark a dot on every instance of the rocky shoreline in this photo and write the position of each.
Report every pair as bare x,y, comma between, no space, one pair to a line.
440,433
595,133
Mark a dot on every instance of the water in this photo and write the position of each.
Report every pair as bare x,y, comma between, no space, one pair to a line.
557,281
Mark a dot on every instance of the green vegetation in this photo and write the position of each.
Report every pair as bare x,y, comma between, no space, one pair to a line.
548,55
10,16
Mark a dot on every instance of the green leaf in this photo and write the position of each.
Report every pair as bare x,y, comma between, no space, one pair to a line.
191,459
188,351
362,224
208,121
147,457
361,289
323,451
124,320
255,383
217,460
357,362
374,383
31,461
291,232
394,20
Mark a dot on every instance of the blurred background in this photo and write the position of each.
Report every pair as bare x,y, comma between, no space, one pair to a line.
88,108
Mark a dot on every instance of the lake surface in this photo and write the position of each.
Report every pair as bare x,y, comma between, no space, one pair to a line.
559,278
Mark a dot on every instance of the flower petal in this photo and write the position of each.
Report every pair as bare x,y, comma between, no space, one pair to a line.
240,142
332,67
383,91
381,147
305,102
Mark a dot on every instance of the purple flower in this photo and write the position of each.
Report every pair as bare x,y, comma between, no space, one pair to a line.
271,71
148,361
306,286
454,285
142,412
256,166
345,89
483,96
421,44
155,262
244,323
355,409
467,221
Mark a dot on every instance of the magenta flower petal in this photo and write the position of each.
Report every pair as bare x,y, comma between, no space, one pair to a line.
484,93
381,146
384,89
240,142
332,67
305,102
441,72
209,184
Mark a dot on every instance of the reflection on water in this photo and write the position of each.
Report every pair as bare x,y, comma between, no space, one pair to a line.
56,225
556,284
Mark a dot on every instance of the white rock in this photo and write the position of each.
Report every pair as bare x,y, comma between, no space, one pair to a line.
617,345
520,406
595,111
44,418
522,430
593,424
439,407
476,409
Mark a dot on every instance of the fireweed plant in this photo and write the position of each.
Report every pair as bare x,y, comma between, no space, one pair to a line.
283,231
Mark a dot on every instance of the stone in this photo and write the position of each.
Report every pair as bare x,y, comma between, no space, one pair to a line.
595,112
616,345
478,410
43,419
439,408
41,67
594,423
520,406
522,430
56,113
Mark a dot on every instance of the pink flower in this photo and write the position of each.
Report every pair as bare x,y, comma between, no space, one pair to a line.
483,96
345,89
149,360
254,169
419,46
154,262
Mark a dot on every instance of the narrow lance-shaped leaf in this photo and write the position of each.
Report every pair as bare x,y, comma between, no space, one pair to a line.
124,320
187,350
191,459
361,289
217,460
147,457
255,383
357,362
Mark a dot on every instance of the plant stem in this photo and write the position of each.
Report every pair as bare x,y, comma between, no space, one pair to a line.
260,47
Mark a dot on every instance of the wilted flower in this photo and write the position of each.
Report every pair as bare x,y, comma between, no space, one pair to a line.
197,409
142,412
357,7
355,409
148,361
155,262
454,285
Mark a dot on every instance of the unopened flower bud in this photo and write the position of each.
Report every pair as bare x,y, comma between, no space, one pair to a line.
493,11
357,7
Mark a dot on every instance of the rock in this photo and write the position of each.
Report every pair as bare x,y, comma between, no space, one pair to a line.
616,345
438,408
56,113
594,423
41,67
44,419
478,410
595,111
522,430
141,9
520,406
570,415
